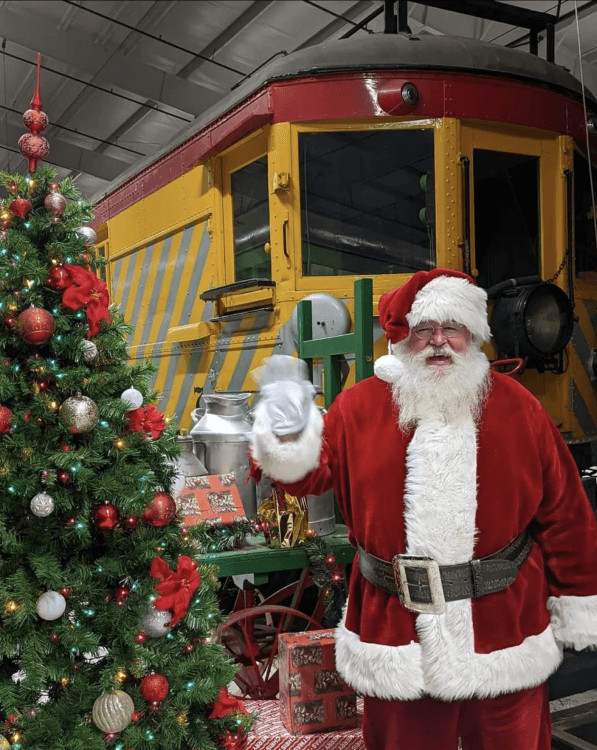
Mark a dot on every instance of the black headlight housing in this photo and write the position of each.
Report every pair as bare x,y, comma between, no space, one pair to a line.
535,322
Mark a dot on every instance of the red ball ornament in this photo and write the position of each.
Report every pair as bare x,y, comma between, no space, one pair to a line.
9,321
43,385
54,637
6,417
33,146
135,716
141,637
106,517
58,279
66,591
330,559
122,592
35,120
44,476
55,203
35,325
131,521
66,448
63,477
71,521
161,511
154,688
20,207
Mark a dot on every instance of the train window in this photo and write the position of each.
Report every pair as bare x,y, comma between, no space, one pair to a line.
251,221
506,216
367,202
584,211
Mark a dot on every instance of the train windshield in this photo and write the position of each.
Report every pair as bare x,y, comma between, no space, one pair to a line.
506,216
367,202
251,221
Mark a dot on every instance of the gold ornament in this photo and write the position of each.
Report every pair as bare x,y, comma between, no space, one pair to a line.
53,405
54,261
119,443
4,743
27,452
121,676
10,607
64,682
32,186
5,215
167,420
182,719
12,307
4,471
310,533
15,737
35,387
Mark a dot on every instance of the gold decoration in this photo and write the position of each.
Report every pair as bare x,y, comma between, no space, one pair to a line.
5,215
12,307
182,719
54,261
285,518
32,186
27,452
119,443
11,606
311,534
4,743
121,676
167,420
64,682
15,737
53,405
4,470
35,387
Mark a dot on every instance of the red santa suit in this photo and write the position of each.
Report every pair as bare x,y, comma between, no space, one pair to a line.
454,492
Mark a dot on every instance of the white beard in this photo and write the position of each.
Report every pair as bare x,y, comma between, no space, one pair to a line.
451,394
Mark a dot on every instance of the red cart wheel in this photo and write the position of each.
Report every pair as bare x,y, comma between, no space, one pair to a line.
251,638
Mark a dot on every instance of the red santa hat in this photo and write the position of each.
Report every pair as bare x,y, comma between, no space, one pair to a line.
441,295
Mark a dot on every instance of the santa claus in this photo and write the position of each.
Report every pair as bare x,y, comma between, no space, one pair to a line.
476,544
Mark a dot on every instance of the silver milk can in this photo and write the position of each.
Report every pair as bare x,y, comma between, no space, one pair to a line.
221,441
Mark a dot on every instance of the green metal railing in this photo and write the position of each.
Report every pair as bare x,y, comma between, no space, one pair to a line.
330,350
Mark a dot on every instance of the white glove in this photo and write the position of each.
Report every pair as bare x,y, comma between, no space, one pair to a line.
286,394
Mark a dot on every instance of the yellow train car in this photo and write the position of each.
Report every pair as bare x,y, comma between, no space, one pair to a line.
361,158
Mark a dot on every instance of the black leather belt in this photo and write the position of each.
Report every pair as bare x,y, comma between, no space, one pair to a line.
424,586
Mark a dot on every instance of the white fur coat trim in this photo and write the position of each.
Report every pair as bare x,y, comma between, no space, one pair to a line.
290,461
452,298
402,672
574,620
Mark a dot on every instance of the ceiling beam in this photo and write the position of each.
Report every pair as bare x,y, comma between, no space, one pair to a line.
130,74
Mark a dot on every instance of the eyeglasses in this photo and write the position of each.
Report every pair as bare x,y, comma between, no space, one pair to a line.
426,331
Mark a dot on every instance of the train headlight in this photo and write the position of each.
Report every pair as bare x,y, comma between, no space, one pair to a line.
533,321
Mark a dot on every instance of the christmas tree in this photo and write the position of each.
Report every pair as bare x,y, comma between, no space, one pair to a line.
106,621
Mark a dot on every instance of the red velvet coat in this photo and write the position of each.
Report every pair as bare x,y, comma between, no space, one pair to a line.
457,492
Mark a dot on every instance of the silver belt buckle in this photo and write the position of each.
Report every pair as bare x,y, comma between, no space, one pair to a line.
438,603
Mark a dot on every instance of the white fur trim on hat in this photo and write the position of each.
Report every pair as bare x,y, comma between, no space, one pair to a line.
388,368
452,298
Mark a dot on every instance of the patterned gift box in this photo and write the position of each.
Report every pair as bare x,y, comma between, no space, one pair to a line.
313,697
213,498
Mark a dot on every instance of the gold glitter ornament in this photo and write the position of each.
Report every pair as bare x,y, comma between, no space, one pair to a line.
12,307
4,743
79,413
5,215
10,607
15,737
121,676
53,405
182,719
64,682
112,711
27,452
120,444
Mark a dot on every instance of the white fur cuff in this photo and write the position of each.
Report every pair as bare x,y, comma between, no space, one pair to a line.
574,620
289,461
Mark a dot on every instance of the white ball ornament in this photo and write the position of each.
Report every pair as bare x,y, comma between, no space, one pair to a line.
51,605
89,351
155,622
88,234
132,397
42,505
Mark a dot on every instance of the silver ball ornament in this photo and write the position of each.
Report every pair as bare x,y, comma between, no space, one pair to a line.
88,234
42,505
79,413
89,351
155,622
132,397
55,203
112,711
51,605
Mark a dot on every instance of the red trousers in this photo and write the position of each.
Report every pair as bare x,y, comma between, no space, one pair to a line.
515,721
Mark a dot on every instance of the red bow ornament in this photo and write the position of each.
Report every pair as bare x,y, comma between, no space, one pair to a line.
226,704
146,419
90,292
177,587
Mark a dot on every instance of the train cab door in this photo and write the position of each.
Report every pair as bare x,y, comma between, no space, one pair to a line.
517,195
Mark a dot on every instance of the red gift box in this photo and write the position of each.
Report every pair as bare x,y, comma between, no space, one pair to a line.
313,697
213,498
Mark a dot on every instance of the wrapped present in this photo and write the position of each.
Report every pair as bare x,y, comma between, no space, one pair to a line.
213,498
313,697
284,518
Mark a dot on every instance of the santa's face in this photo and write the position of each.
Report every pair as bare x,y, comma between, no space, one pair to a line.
440,339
